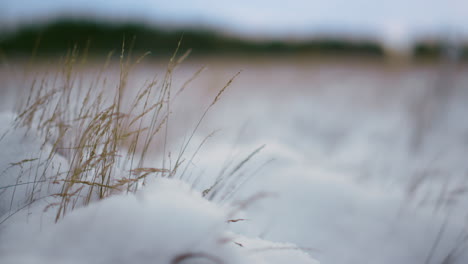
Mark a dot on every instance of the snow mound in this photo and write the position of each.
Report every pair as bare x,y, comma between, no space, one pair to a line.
165,222
264,251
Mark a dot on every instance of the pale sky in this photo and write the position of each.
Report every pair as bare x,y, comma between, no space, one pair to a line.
396,21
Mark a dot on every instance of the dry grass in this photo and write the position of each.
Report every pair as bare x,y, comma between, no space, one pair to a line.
106,142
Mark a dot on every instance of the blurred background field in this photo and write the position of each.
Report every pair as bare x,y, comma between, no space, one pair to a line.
361,106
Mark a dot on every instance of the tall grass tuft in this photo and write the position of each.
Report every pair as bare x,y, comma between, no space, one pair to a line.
105,134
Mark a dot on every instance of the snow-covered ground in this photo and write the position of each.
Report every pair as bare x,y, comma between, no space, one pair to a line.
363,163
165,222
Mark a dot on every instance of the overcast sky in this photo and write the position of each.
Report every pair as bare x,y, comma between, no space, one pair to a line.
391,20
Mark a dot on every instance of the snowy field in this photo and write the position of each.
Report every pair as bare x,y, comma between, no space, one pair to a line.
333,161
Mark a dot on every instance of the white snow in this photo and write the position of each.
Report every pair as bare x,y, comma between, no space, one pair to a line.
26,172
165,222
345,179
339,189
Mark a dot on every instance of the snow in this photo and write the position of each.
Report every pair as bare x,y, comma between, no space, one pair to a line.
165,222
346,179
344,221
26,172
345,185
153,226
